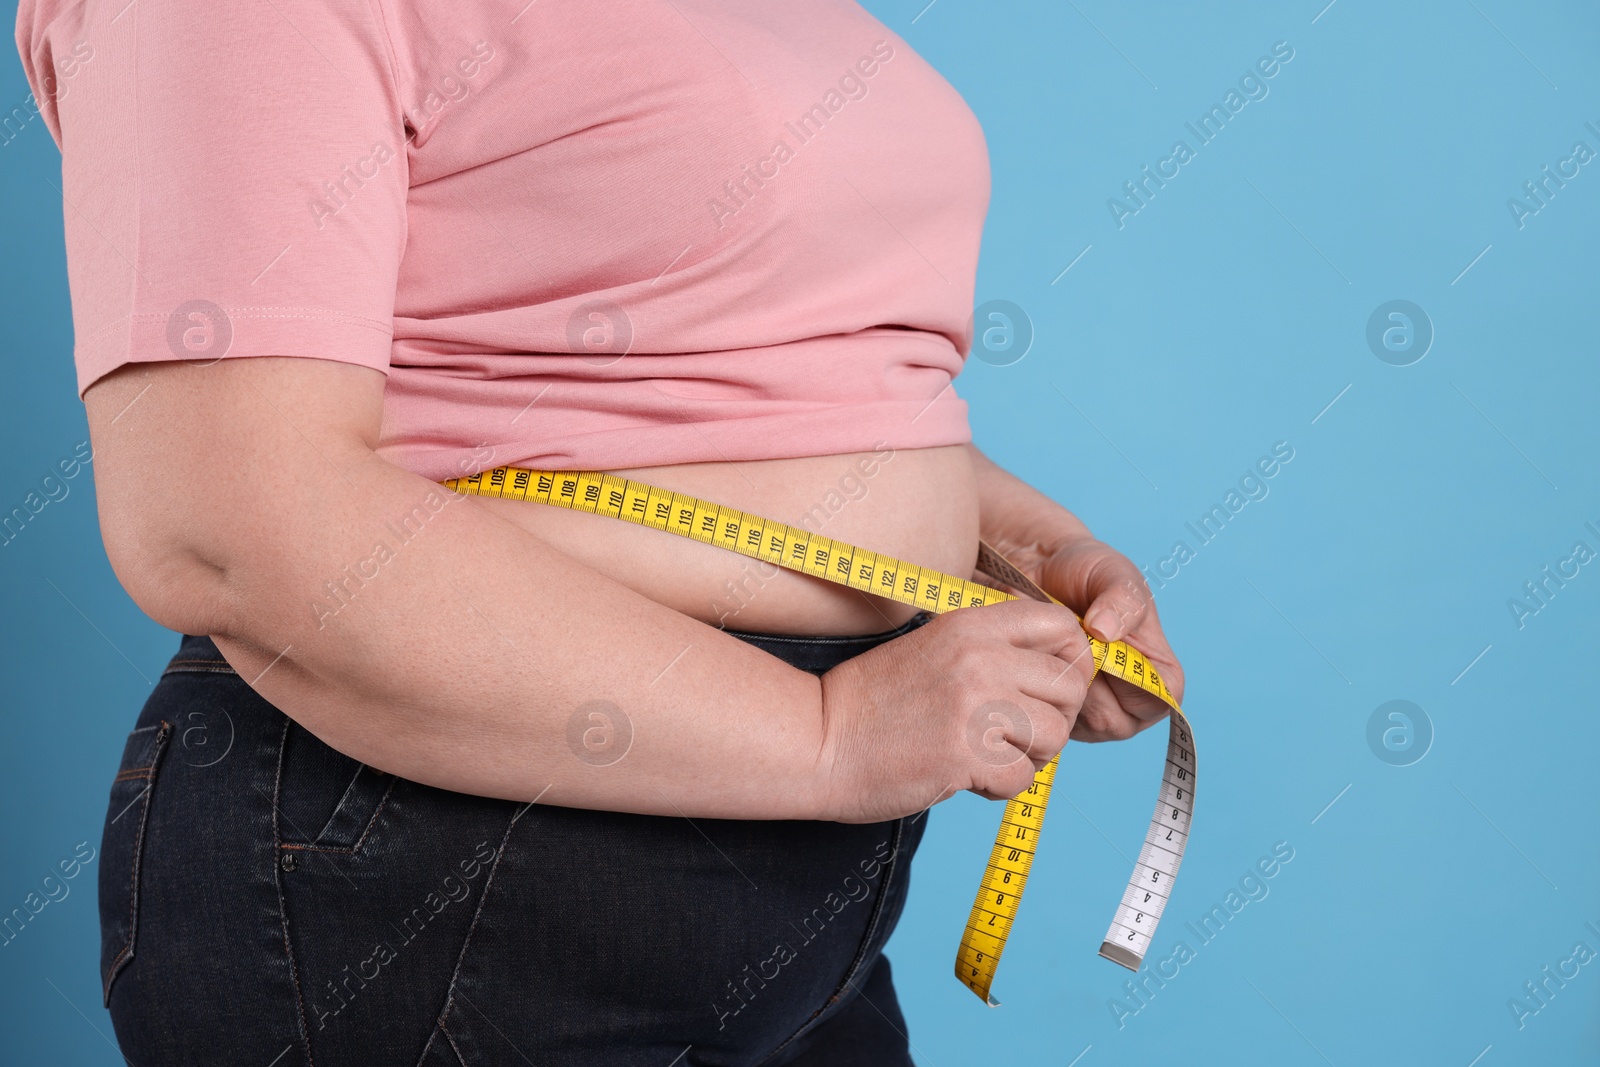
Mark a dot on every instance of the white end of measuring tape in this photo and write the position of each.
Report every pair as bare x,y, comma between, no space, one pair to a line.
1139,913
1118,954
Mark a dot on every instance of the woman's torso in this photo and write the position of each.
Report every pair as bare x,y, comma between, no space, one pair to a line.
919,505
815,303
730,248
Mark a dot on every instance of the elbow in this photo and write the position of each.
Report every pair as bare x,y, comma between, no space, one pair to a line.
213,504
177,587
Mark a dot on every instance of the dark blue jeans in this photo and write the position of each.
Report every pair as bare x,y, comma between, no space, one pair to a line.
266,900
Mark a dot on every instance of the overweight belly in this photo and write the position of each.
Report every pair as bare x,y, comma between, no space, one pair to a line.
919,505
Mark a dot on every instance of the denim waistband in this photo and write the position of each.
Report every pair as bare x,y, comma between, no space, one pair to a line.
819,654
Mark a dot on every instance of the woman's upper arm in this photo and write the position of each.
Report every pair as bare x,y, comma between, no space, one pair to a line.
234,180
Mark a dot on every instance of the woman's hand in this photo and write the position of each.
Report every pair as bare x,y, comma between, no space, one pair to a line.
1105,588
1047,543
975,699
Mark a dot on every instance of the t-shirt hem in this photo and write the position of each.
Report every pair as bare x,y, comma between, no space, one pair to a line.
832,430
239,333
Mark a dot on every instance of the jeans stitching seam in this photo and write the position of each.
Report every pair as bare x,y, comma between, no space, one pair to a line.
346,850
450,1039
283,911
126,953
433,1032
892,869
373,821
291,846
466,943
344,798
207,666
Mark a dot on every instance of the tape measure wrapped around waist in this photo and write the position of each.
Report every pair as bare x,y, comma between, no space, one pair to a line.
1006,874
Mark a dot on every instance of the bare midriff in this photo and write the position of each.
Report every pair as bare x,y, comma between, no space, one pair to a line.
919,505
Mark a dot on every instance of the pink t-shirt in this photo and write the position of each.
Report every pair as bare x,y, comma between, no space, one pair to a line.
573,235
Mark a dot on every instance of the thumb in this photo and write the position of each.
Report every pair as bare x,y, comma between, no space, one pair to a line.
1113,613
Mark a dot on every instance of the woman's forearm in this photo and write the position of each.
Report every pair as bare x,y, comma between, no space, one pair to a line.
1016,518
412,628
1051,544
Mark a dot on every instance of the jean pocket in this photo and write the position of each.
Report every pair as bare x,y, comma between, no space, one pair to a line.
327,801
121,845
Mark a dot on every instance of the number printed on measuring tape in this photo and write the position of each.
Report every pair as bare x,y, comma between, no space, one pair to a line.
1010,861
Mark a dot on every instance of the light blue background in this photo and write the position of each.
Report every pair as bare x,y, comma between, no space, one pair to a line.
1222,318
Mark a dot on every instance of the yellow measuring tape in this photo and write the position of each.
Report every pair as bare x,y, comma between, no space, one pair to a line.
1000,892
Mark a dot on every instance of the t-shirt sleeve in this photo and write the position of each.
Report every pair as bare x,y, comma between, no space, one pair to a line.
234,176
